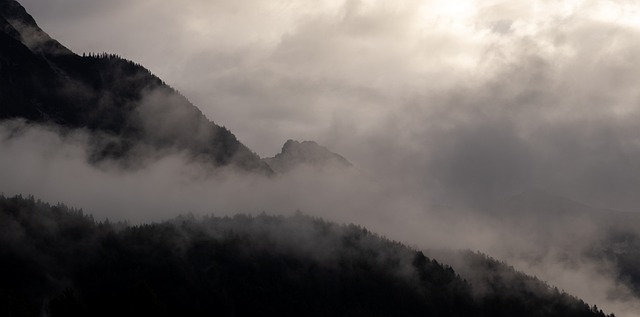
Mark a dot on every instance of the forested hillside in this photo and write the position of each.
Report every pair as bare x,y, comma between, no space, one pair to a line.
59,261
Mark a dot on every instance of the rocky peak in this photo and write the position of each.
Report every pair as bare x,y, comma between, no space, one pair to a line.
295,153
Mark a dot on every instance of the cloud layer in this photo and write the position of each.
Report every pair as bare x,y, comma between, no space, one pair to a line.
439,103
471,98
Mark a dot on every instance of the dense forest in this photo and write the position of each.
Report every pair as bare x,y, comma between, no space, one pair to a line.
59,261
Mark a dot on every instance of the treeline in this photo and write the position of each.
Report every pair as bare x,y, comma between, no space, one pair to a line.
129,64
59,261
103,55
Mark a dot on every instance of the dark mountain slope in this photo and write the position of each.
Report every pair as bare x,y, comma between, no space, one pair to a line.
60,261
501,285
129,112
29,87
27,30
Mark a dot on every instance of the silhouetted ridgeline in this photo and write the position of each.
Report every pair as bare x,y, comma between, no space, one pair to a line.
60,262
128,111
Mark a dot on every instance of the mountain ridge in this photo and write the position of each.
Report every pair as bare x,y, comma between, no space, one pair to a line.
130,113
27,30
242,266
295,153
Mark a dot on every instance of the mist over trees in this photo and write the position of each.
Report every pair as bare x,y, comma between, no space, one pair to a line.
152,152
61,261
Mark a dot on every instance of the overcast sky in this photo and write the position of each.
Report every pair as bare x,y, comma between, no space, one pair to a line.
470,98
439,102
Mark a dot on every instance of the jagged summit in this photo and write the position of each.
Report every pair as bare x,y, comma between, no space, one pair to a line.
130,114
295,153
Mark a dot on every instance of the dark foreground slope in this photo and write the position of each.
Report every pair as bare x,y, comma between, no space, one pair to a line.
60,262
128,111
498,283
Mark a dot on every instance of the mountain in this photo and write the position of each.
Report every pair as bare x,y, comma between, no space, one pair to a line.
129,113
498,282
575,230
307,153
21,26
620,250
58,261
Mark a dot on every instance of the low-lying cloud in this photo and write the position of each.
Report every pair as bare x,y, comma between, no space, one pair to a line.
54,167
470,98
439,104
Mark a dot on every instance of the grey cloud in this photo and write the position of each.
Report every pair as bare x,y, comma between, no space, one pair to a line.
42,162
450,113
